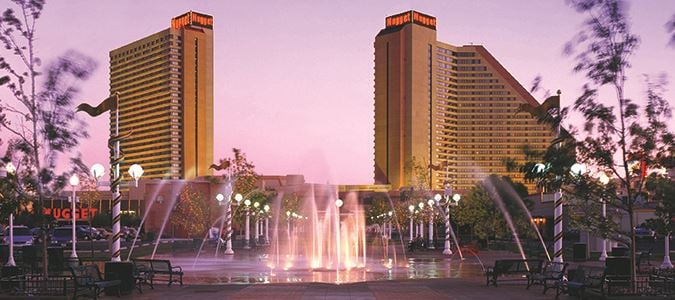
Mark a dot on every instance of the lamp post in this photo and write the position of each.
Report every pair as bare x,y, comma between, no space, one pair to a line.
338,204
430,203
97,171
228,236
446,210
247,244
266,208
390,213
256,205
74,182
666,255
604,180
576,170
11,169
411,208
420,231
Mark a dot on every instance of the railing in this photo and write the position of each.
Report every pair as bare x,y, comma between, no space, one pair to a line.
36,285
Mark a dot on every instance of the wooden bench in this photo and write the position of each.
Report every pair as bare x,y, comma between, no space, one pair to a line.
551,276
160,267
88,278
520,267
585,279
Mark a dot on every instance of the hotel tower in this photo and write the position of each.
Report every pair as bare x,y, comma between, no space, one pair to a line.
165,83
450,107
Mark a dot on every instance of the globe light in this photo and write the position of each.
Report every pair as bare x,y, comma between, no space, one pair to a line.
603,178
390,213
136,171
431,202
578,169
539,168
256,204
74,180
338,203
411,208
266,208
10,168
220,197
288,213
456,197
238,197
438,197
247,202
97,171
421,205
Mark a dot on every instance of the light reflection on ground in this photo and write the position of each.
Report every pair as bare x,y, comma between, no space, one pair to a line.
252,269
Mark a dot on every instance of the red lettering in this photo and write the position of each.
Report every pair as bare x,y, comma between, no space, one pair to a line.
65,213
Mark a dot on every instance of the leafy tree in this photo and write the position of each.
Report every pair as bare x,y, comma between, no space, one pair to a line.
661,189
239,168
612,136
670,26
191,212
40,118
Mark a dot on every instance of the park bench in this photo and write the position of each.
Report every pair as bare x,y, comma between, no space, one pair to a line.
143,274
585,279
551,276
88,278
161,267
522,268
662,282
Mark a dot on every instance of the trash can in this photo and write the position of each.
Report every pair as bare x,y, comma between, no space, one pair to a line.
123,271
620,251
579,252
55,259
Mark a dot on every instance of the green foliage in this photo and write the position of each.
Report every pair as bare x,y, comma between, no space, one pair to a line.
239,168
478,209
191,212
104,219
661,189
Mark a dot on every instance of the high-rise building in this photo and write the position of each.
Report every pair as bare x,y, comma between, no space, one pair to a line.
451,107
165,83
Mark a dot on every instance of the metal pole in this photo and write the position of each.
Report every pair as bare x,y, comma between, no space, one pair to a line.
247,244
431,228
10,260
411,227
446,249
117,196
558,215
267,230
603,255
228,235
666,255
389,233
73,255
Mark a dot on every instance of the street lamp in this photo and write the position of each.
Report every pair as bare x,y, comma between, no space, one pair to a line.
338,204
420,227
430,203
390,213
11,169
247,235
604,180
135,171
411,208
74,181
257,220
266,208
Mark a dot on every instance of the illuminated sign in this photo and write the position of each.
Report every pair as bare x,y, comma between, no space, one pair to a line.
192,18
411,17
64,213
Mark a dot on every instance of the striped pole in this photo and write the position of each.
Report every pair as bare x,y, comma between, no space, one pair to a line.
228,234
118,158
447,250
558,227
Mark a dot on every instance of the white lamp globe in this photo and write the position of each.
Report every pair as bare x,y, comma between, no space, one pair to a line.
238,197
97,171
247,202
456,197
603,178
220,197
339,203
438,197
74,180
578,169
136,171
411,208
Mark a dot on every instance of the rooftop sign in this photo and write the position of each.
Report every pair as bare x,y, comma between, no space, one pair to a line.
192,18
410,17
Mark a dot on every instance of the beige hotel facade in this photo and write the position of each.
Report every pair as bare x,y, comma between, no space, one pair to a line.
450,106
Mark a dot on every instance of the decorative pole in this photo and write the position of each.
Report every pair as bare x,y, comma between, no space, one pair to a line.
411,208
558,210
431,224
247,241
109,104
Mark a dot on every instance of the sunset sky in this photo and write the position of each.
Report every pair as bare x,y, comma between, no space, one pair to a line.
294,79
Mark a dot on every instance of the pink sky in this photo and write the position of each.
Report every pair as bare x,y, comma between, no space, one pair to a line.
294,79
